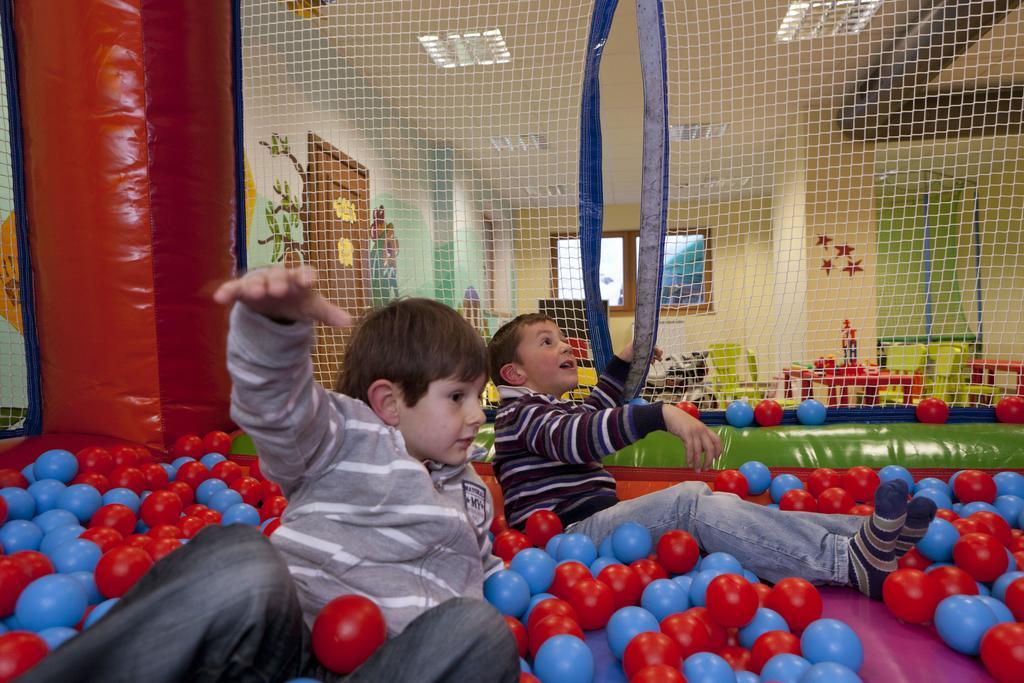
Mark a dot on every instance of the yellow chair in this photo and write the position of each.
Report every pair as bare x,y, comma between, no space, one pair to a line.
944,374
725,375
902,359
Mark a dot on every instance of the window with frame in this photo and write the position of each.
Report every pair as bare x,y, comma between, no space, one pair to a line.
686,271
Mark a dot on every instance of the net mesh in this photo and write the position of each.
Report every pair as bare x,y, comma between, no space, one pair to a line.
432,149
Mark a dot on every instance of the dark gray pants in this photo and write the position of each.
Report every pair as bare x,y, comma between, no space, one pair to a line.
224,608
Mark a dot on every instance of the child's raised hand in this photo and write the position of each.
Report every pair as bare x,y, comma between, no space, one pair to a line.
626,353
283,294
702,445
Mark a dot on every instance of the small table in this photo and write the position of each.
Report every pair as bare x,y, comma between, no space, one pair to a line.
983,371
839,380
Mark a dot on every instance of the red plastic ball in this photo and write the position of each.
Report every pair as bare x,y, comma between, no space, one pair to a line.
12,478
763,590
499,523
550,626
798,500
862,510
190,526
126,476
188,446
677,551
1010,410
593,601
649,649
527,678
821,479
249,488
1019,559
104,537
690,408
508,543
19,652
688,631
911,595
519,633
160,507
913,559
542,526
216,442
226,471
946,514
1014,599
567,574
274,507
124,456
954,581
861,482
769,644
1002,652
835,501
12,581
648,570
156,476
625,584
994,524
968,526
737,657
270,489
718,633
93,479
209,516
796,601
731,600
731,481
545,608
270,528
185,492
116,516
138,541
193,473
659,673
768,413
932,410
119,569
347,631
95,459
162,547
33,563
146,456
165,531
974,485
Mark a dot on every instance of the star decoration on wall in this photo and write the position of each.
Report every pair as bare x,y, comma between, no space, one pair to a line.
823,241
852,266
826,265
844,249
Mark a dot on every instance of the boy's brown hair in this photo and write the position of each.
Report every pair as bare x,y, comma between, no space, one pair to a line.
503,345
411,342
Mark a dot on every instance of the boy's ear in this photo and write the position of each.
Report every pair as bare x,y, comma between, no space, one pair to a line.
512,374
384,399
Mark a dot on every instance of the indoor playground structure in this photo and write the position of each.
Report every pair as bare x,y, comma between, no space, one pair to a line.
814,209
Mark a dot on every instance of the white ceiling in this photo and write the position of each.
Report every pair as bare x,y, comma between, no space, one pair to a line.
724,67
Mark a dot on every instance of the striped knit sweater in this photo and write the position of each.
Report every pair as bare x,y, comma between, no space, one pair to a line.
547,452
363,515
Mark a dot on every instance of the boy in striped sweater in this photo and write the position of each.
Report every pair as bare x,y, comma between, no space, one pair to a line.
547,456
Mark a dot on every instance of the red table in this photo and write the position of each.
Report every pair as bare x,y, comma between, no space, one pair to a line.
983,371
840,380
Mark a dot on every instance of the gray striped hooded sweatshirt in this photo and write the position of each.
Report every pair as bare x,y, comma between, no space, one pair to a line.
363,515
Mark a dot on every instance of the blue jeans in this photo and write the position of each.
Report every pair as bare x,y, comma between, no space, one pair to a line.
771,543
224,608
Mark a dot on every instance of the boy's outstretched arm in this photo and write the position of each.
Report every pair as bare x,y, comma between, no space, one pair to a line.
608,392
292,419
702,445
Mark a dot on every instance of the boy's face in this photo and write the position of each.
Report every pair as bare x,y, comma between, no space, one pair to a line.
546,359
443,423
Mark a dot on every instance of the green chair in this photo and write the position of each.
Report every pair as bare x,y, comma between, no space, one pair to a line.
944,375
766,388
902,359
725,375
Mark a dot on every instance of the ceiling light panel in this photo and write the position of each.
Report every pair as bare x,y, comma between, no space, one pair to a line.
820,19
473,48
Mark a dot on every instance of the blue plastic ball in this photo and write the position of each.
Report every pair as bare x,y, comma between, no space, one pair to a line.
1009,484
605,549
29,472
76,555
937,544
962,620
952,479
977,506
830,640
982,589
684,581
631,542
178,462
20,534
699,585
52,600
46,492
58,537
739,414
56,464
782,483
937,496
811,412
524,666
206,490
81,500
211,459
747,677
1010,509
55,636
998,608
564,658
508,592
123,496
785,668
757,475
625,624
1003,582
600,563
99,611
577,547
708,667
170,471
551,547
534,601
890,472
141,527
88,582
764,620
663,597
536,567
222,500
829,672
637,402
240,513
20,503
53,519
723,561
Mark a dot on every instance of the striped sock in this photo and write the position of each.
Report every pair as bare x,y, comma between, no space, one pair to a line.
920,513
872,549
